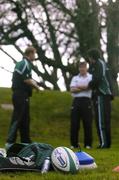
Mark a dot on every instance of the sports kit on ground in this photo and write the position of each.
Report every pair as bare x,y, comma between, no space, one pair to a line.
42,158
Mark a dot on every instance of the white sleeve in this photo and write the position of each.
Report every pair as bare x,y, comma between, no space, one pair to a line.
73,82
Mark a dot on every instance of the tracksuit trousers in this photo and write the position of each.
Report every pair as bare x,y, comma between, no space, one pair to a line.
102,107
81,109
20,119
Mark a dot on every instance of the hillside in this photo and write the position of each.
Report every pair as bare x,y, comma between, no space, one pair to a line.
50,123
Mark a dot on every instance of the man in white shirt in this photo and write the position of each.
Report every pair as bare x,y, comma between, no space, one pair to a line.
81,107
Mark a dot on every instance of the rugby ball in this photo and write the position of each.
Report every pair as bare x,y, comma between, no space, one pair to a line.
65,160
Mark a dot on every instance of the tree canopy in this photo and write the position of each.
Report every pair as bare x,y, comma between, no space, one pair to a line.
61,31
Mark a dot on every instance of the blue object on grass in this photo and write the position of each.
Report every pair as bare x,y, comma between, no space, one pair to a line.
84,158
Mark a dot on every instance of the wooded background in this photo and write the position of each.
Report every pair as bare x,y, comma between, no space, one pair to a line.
62,31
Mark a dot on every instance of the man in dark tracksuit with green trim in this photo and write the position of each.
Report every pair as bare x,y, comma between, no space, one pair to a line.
101,97
22,84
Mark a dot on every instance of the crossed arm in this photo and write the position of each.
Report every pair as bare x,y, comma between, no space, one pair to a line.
78,89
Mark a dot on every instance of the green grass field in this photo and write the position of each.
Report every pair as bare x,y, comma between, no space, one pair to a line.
50,123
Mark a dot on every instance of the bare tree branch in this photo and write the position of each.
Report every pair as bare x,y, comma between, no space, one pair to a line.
8,54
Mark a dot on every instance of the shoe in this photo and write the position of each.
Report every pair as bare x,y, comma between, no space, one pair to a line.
102,147
2,152
88,147
73,147
8,145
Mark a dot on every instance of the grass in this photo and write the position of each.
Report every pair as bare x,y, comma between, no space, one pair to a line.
50,123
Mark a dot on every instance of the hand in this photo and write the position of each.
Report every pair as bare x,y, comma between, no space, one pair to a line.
37,88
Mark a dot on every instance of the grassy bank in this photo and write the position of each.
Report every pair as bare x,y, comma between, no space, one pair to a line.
50,123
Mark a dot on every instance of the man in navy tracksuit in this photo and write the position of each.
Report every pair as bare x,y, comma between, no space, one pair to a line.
102,94
22,84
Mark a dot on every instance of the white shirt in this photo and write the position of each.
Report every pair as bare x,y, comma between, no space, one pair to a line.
80,80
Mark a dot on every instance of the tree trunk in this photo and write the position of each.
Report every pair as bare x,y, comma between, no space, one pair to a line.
112,42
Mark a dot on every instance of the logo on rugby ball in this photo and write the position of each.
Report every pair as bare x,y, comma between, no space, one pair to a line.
62,159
